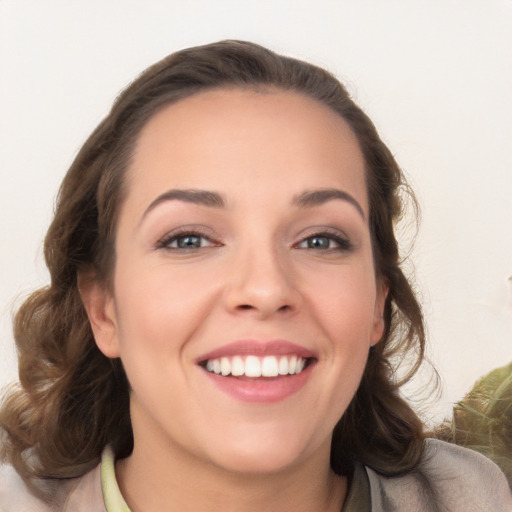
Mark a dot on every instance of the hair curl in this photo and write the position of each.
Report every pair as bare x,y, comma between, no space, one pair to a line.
72,400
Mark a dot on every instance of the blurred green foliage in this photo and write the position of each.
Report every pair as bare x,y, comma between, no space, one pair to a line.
482,421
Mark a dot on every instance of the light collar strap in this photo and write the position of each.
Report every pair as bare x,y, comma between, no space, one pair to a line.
114,501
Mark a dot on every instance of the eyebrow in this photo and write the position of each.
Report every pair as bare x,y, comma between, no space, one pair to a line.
307,199
312,198
200,197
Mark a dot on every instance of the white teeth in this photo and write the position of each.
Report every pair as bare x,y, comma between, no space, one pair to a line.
225,366
283,365
292,365
254,366
269,367
237,366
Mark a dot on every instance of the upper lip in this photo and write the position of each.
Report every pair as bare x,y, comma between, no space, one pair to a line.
257,348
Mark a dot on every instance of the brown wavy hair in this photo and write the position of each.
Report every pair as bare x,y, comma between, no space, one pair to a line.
72,400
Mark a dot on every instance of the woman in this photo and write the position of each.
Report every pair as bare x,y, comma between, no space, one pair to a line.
225,305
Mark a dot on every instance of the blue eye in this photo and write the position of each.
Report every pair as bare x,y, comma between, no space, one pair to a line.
319,242
188,241
325,242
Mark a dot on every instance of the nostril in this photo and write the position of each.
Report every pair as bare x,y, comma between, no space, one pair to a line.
285,307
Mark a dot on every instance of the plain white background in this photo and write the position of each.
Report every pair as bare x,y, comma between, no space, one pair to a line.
435,76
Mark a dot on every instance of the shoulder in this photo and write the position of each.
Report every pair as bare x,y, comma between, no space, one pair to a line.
73,495
449,478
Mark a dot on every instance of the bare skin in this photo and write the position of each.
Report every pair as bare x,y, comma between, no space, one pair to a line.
312,488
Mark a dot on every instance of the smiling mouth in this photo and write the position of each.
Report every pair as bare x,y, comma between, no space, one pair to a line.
253,366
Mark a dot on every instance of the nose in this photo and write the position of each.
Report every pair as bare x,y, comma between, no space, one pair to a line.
262,284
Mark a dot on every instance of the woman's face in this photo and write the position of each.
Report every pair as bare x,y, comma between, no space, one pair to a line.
244,295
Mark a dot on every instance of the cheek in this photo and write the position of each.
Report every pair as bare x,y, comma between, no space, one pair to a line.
345,301
346,319
345,311
158,309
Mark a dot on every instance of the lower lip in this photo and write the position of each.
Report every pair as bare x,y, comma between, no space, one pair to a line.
261,390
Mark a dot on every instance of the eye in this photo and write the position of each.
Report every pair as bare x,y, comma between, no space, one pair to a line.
325,242
186,241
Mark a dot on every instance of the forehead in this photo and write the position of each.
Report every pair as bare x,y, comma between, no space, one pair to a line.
262,138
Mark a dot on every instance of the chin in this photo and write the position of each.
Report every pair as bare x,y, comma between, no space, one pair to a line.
258,465
260,458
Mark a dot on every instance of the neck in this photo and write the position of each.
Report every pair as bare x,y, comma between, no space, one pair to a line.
154,480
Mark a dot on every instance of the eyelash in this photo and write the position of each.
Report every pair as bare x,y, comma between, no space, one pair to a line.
343,244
